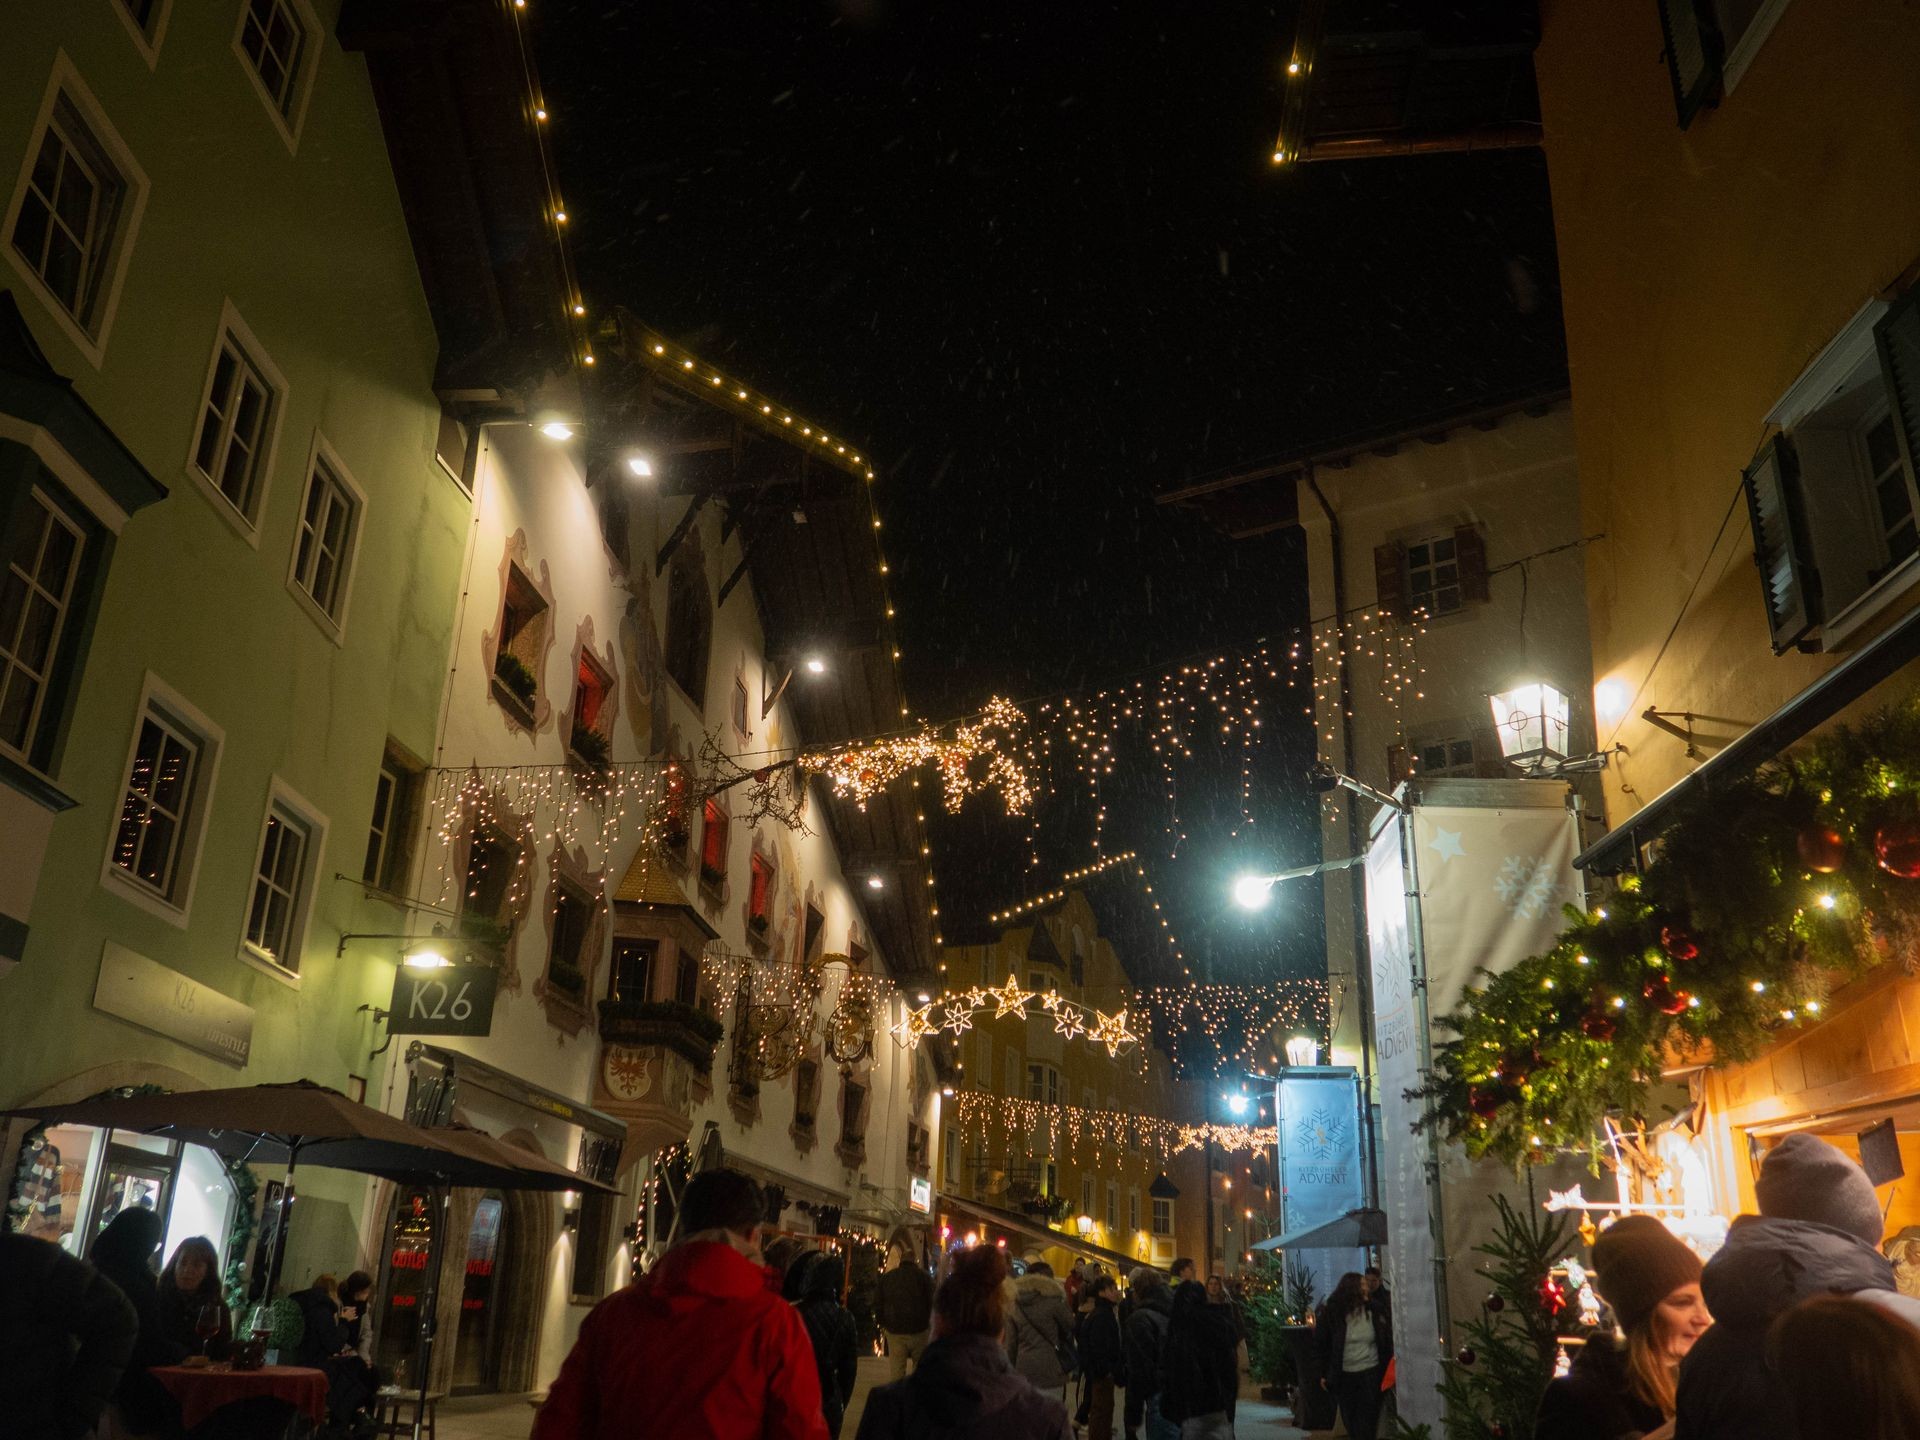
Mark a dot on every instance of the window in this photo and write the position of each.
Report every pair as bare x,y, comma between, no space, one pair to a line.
238,414
40,549
521,647
760,894
163,801
1444,757
450,450
567,959
275,42
1162,1216
1077,965
1014,1072
599,1160
1709,44
949,1159
146,21
323,549
396,801
713,844
816,925
632,979
1832,497
686,979
1038,983
1052,1180
1086,1195
1043,1084
592,685
740,705
493,863
918,1143
806,1094
689,623
1113,1204
282,880
673,811
853,1113
1433,576
74,211
1133,1212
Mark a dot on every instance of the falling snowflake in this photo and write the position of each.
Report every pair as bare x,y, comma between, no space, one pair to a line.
1526,885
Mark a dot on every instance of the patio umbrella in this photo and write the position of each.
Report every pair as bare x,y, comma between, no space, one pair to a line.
1352,1230
301,1121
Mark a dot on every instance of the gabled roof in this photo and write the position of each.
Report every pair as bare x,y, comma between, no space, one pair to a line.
649,882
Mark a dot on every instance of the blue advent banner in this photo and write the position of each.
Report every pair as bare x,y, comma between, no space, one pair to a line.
1320,1173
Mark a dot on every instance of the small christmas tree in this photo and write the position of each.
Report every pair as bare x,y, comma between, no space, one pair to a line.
1493,1387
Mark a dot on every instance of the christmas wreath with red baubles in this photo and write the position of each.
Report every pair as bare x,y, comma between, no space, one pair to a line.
1765,893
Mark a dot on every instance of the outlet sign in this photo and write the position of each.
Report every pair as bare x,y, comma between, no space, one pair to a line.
453,1000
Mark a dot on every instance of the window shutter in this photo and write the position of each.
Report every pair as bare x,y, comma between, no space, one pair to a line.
1692,55
1399,765
1897,337
1789,584
1390,580
1470,555
713,841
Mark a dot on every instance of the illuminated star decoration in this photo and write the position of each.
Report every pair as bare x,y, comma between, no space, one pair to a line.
1009,998
1069,1021
913,1025
959,1017
1050,1000
1112,1031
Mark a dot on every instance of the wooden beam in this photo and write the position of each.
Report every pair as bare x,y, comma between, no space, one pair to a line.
700,498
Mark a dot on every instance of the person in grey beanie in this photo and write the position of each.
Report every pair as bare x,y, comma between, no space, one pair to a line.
1818,1233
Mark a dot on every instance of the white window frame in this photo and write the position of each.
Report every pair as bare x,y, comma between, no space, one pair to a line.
1112,1216
173,709
1086,1196
1133,1210
1449,739
65,80
1161,1230
1741,57
56,516
287,122
949,1158
292,809
234,330
393,837
1415,594
147,41
1823,381
334,624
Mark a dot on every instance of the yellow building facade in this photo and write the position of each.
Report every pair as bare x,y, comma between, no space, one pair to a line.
1739,240
1031,1152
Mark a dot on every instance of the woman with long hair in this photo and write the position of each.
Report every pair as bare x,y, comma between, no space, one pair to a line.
193,1312
1625,1386
1355,1335
1849,1367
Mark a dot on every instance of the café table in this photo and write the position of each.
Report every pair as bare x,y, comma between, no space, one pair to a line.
203,1389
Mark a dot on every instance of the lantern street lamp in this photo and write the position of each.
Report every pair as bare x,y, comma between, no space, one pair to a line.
1531,721
1303,1050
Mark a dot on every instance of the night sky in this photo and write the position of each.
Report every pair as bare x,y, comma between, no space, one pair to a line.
1034,259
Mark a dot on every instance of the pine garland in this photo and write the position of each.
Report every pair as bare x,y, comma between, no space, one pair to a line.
1767,890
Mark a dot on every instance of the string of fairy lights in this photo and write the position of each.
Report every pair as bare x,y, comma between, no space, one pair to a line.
955,1013
1078,1131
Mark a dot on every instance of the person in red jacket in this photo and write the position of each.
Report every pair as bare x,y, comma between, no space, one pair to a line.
701,1347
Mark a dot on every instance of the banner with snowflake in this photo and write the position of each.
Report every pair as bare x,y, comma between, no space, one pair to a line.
1320,1175
1492,885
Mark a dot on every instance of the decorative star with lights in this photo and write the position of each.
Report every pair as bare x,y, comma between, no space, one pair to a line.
1112,1031
1050,1000
1010,999
913,1025
1069,1021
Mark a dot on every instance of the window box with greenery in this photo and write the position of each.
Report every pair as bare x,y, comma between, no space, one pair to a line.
590,738
591,749
687,1030
514,682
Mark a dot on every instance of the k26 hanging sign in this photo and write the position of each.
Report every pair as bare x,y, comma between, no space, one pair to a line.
453,1000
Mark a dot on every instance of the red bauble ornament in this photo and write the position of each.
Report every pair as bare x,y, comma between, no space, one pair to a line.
1484,1102
1660,994
1553,1295
869,777
1896,846
1597,1024
1679,942
1822,850
1495,1302
1466,1356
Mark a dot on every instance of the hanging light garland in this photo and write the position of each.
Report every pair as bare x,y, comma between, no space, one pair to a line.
955,1012
861,771
1074,1128
1087,872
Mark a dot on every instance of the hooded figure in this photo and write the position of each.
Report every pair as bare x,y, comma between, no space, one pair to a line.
124,1253
1198,1373
1817,1233
813,1285
963,1388
65,1335
1144,1339
1040,1331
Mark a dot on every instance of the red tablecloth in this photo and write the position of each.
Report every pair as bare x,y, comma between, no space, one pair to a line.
203,1390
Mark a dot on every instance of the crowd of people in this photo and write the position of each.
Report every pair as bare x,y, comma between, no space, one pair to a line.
79,1336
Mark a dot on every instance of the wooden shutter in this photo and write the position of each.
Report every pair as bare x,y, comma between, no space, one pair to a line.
1470,556
1399,765
1390,580
1897,337
1789,584
1692,54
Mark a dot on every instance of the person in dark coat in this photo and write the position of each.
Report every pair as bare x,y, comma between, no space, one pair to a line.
66,1334
1355,1336
1625,1387
1103,1365
813,1284
189,1285
1145,1338
1818,1232
1198,1376
964,1387
124,1253
903,1304
1850,1368
326,1345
